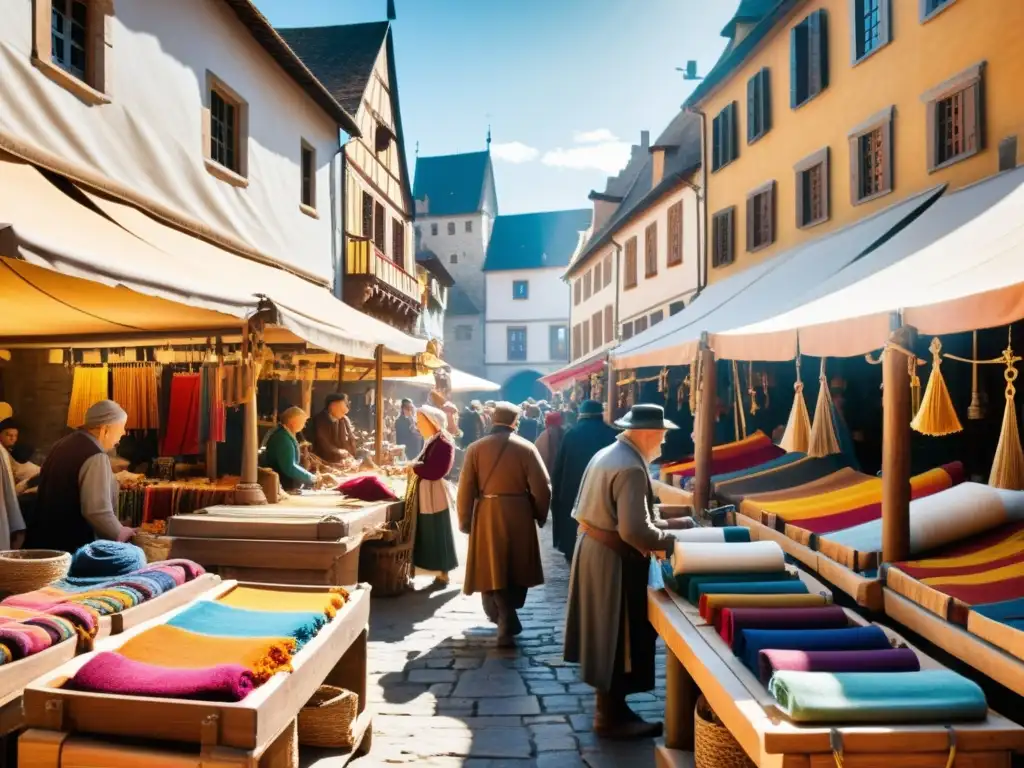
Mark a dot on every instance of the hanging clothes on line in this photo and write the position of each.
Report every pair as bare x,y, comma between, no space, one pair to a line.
181,432
88,387
211,412
136,390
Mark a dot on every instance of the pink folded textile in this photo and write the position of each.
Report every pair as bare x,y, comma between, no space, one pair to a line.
883,660
77,614
24,639
192,570
176,572
113,673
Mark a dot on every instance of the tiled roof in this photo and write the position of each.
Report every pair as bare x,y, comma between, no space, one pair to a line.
535,240
342,57
451,185
748,12
459,303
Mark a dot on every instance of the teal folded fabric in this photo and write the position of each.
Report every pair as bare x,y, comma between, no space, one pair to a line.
736,534
935,695
684,582
210,618
788,587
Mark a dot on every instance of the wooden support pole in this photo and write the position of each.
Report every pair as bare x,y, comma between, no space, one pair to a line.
341,373
248,491
896,417
612,396
378,374
704,428
681,693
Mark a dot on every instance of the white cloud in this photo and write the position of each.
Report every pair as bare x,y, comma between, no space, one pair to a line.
514,152
607,156
598,136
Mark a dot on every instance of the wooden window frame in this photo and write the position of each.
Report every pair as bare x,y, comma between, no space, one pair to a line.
631,279
884,30
307,208
94,89
812,161
553,351
597,329
927,15
236,177
509,330
398,242
971,78
526,294
366,222
724,144
883,119
607,270
768,188
728,216
759,105
674,257
815,23
651,250
609,324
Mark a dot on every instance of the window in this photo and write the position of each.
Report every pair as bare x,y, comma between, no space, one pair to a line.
597,277
871,158
398,242
69,30
630,277
469,226
723,238
761,217
955,119
463,332
627,331
453,259
367,215
812,182
308,161
516,343
577,341
759,106
597,328
379,236
588,279
69,45
607,270
577,290
869,27
657,317
609,324
675,234
451,227
808,58
520,290
724,148
930,8
651,250
586,337
433,231
558,342
228,127
676,307
640,325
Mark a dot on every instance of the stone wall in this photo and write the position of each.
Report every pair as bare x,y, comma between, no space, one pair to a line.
39,392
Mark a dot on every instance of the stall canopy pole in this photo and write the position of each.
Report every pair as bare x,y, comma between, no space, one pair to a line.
611,397
378,372
896,417
249,491
704,429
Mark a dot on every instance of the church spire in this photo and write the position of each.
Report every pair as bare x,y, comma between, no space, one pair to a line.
488,138
391,10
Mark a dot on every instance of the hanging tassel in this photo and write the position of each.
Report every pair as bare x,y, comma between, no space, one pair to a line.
974,411
823,440
1008,464
798,429
936,416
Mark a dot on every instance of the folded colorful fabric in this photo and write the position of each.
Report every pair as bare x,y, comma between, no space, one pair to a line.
891,660
711,606
104,560
735,620
367,488
685,582
853,639
787,587
180,649
209,618
779,461
20,642
730,534
328,601
115,674
878,697
715,558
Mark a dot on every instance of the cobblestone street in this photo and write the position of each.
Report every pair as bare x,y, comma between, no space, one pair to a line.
445,696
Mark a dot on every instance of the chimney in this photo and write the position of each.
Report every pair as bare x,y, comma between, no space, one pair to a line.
645,139
657,165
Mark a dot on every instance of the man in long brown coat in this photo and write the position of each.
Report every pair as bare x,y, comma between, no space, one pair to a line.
504,491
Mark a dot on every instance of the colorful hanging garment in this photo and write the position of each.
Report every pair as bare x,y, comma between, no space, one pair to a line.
135,390
182,429
88,387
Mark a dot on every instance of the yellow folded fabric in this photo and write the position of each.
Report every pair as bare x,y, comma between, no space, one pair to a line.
267,599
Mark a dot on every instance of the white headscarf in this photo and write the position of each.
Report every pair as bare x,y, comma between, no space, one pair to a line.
435,416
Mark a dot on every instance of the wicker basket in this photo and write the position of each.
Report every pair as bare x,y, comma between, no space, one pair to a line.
714,746
387,567
157,548
23,570
328,719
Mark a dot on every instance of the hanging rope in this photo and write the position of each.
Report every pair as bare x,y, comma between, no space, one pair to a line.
974,410
823,440
798,429
936,415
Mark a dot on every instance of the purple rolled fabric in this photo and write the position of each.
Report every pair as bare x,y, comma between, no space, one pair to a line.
734,620
112,673
76,614
18,642
891,660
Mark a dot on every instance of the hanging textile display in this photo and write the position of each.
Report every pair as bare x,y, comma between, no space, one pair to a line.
88,387
823,440
936,415
181,436
1008,464
752,389
211,400
136,390
798,429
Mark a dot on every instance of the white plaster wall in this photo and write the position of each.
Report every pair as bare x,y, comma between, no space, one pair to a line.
150,138
471,248
598,299
548,296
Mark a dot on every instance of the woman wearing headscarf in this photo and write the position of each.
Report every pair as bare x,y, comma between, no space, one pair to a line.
282,452
550,440
434,545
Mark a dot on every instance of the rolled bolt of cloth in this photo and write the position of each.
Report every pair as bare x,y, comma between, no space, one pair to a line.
788,587
711,606
885,660
209,618
730,534
23,640
686,583
853,639
114,674
328,601
878,697
735,620
715,558
166,646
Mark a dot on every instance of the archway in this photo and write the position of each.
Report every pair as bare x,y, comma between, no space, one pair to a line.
523,385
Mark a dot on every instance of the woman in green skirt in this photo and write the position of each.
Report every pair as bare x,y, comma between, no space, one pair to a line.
434,547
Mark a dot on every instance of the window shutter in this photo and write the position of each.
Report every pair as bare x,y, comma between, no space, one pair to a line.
818,47
716,143
887,153
752,107
771,213
972,118
884,21
766,101
734,140
751,207
855,165
730,236
794,67
609,331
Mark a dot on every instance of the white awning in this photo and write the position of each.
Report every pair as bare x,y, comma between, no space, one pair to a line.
461,382
763,291
958,267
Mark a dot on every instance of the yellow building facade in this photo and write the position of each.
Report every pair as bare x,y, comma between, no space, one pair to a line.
912,94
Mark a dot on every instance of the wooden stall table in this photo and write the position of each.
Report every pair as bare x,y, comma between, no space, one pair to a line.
76,729
303,540
699,661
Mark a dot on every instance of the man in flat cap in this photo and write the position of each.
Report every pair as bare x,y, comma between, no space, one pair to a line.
77,501
606,628
503,492
334,438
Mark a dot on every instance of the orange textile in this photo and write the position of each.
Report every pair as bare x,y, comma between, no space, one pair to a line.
267,599
178,648
711,605
723,451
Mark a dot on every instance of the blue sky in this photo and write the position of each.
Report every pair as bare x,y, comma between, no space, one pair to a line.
567,85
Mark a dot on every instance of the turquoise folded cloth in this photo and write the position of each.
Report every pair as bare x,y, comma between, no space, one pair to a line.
684,581
868,638
1007,611
210,618
736,534
878,697
788,587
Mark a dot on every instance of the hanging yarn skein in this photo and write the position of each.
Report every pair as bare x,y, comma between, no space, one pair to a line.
798,429
936,415
1008,464
823,440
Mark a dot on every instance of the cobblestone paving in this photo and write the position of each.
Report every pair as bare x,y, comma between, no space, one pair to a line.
445,696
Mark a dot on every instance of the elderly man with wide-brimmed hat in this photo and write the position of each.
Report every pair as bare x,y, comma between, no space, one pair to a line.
504,494
606,630
77,501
